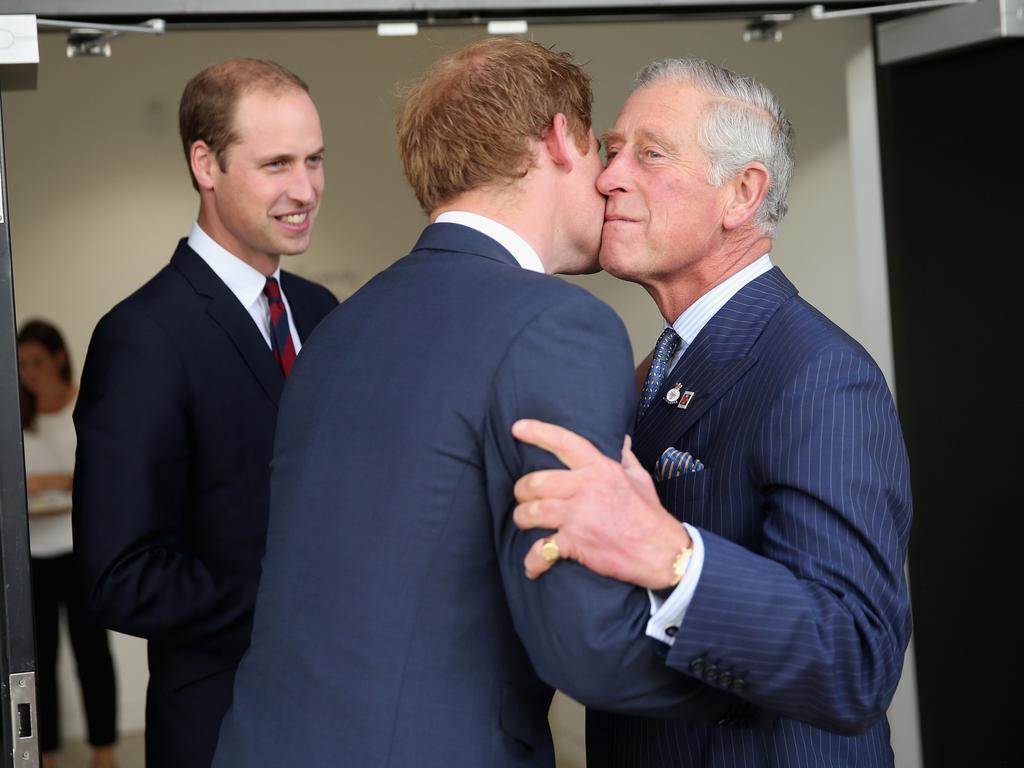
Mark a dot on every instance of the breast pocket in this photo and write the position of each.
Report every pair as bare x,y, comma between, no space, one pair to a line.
683,494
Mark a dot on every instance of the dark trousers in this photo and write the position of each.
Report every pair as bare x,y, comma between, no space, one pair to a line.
54,582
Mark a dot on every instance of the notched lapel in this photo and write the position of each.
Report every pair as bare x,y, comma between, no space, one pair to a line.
225,309
303,316
663,423
722,352
236,322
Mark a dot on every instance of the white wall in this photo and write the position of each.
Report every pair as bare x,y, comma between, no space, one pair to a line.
99,193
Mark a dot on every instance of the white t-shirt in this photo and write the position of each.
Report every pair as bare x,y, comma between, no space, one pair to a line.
50,449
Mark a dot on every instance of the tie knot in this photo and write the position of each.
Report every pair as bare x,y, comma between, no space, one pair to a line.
272,289
667,344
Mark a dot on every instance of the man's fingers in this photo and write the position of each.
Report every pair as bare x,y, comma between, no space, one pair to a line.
548,483
630,462
541,513
639,477
568,447
535,563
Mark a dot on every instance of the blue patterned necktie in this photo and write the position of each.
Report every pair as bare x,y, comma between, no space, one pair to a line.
667,345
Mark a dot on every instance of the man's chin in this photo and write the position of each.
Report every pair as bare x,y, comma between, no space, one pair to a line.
619,270
295,247
612,264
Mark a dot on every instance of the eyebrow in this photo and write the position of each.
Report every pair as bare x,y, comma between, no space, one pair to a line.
284,157
610,136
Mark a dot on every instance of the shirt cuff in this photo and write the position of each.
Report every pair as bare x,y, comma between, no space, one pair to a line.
667,614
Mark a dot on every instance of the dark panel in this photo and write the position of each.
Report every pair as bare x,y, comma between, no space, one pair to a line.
17,651
952,175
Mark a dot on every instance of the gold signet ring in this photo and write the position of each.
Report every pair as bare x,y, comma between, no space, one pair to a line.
549,550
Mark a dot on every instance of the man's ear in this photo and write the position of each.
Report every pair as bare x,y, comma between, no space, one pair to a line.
204,164
749,189
557,143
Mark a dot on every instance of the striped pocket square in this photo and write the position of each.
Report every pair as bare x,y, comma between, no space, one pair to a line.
674,462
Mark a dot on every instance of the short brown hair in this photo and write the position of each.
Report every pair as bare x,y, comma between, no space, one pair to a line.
469,120
207,108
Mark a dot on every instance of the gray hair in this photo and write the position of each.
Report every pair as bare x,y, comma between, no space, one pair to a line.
743,123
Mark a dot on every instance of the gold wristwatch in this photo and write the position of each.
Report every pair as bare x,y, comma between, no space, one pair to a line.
680,563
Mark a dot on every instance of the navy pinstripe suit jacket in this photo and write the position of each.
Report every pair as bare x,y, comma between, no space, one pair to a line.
802,612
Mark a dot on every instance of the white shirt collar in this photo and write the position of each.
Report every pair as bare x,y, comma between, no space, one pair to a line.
521,250
697,315
243,280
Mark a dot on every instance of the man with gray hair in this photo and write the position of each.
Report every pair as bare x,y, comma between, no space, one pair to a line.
766,428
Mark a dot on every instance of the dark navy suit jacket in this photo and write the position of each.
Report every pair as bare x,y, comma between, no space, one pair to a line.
394,623
801,612
175,423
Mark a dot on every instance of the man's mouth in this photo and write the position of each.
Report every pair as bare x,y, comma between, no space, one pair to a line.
294,218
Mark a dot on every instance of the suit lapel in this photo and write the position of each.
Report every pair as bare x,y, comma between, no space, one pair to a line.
225,310
303,314
722,352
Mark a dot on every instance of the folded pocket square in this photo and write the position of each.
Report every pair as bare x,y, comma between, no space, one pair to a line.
674,462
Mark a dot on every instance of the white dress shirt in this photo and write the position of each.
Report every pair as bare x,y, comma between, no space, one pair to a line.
244,281
667,616
521,250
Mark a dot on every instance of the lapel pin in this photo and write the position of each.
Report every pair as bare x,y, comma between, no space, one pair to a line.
672,396
684,399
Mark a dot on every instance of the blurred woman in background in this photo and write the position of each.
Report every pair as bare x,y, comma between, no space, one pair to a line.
47,400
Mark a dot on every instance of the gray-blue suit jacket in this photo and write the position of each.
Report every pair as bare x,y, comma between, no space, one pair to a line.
394,623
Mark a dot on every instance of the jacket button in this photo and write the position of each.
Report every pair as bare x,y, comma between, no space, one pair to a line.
725,679
711,673
697,666
737,685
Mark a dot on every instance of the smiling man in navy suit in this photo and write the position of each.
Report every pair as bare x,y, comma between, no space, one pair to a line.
393,625
768,430
179,399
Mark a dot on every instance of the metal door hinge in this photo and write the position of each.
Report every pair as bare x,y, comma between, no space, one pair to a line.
25,748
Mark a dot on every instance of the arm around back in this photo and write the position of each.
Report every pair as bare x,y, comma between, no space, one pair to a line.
584,633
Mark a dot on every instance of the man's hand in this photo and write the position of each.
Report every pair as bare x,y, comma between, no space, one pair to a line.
607,515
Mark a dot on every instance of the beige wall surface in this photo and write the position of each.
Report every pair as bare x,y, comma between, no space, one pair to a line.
99,193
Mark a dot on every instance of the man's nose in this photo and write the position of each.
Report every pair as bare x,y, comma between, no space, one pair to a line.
303,185
615,176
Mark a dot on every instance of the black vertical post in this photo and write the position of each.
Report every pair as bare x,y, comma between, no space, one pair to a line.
17,649
951,170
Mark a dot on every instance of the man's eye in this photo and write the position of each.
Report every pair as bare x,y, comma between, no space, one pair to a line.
315,159
652,154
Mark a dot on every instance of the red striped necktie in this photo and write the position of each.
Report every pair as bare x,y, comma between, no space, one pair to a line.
280,332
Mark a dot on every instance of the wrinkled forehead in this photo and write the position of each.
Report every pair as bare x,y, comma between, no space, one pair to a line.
664,110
